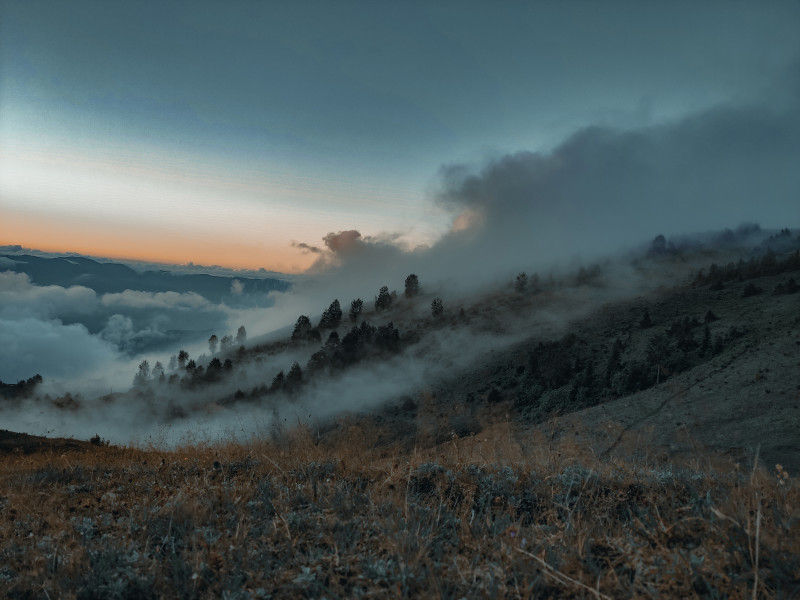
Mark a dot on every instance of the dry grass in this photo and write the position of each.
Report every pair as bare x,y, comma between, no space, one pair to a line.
499,514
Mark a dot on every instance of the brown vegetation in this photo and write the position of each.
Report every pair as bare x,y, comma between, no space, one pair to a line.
503,513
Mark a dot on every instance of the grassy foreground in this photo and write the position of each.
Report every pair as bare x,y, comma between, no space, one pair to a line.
484,516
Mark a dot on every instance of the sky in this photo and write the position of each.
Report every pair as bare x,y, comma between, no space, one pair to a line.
228,133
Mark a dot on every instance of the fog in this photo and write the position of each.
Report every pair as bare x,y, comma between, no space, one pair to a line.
595,195
441,352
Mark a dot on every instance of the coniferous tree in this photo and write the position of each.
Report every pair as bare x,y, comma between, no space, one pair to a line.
142,375
332,316
658,246
212,343
302,329
437,308
241,335
412,286
384,299
295,376
278,381
355,309
521,283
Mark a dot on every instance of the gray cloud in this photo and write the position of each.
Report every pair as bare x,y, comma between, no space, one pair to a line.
30,345
20,298
599,191
158,300
65,332
307,247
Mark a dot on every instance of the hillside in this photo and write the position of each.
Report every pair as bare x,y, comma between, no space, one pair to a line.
736,397
605,444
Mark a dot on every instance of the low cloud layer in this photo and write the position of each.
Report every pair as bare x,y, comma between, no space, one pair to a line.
30,345
68,331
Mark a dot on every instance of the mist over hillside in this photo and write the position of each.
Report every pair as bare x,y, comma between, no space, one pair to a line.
407,300
388,349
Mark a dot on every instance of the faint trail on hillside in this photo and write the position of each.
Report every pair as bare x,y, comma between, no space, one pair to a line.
666,401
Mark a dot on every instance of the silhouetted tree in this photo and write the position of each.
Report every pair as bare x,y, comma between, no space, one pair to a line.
646,323
158,372
521,283
214,368
228,364
355,309
173,363
24,388
278,381
302,329
319,360
332,316
225,343
412,286
191,366
295,376
143,374
437,308
658,353
333,340
387,337
241,335
384,299
658,246
212,343
183,356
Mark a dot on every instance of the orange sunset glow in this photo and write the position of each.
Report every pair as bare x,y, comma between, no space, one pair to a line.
133,243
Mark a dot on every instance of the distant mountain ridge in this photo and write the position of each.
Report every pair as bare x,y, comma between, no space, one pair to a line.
105,278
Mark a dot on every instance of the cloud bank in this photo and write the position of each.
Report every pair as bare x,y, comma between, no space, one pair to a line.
65,332
599,191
